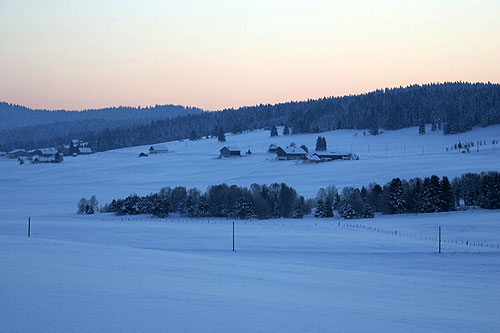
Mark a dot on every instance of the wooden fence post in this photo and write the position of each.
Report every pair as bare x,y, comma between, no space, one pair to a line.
439,239
29,226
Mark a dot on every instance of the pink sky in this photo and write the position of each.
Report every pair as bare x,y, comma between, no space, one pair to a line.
217,54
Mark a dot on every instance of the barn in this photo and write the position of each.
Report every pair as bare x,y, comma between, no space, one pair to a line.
230,152
331,155
290,153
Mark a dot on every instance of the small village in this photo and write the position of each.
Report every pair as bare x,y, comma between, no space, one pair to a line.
49,155
291,152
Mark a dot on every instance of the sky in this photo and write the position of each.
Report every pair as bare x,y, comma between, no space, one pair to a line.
76,54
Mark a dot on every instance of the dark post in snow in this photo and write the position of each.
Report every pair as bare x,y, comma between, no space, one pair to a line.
29,226
439,239
233,236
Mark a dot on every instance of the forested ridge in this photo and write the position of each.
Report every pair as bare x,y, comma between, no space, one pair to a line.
453,107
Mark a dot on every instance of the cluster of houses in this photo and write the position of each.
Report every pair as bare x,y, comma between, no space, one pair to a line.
293,153
75,148
36,156
50,155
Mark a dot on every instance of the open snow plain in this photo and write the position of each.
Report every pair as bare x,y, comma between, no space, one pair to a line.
108,273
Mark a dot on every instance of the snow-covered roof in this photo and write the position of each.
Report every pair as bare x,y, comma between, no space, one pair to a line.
293,151
16,151
75,141
44,159
314,158
85,150
48,151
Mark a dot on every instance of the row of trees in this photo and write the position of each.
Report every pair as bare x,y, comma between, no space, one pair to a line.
258,201
429,195
274,130
454,106
416,195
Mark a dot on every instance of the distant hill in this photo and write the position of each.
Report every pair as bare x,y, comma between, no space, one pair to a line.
16,116
453,107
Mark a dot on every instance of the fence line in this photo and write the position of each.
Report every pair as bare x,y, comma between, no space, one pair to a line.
311,224
410,236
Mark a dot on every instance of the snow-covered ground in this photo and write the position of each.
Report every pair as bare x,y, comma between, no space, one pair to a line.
108,273
56,188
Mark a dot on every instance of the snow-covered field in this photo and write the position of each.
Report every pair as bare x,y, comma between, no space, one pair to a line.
102,273
108,273
55,188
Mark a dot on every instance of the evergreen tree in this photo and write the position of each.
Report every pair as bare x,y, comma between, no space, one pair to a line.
320,144
193,136
447,200
276,210
274,131
421,128
286,130
297,211
202,208
396,197
490,190
430,195
368,212
346,211
328,210
221,136
320,210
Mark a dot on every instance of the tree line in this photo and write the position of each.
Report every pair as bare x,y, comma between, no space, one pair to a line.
454,107
429,195
258,201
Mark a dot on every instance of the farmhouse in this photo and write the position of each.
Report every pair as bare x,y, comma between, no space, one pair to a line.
47,152
290,153
330,155
230,152
54,158
158,150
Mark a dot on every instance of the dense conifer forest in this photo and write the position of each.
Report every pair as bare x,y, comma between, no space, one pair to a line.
453,107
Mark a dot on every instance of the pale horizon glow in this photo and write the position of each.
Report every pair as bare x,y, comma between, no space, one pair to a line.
220,54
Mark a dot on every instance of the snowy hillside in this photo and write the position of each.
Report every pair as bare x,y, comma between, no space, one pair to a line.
133,273
56,188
